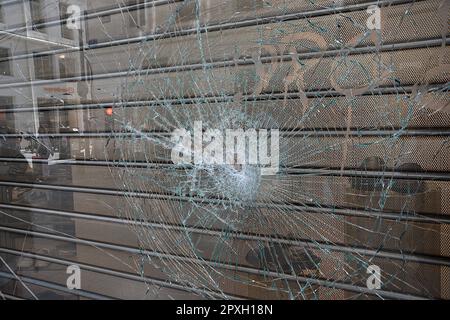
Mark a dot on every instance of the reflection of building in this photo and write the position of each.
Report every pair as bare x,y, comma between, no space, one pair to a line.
28,34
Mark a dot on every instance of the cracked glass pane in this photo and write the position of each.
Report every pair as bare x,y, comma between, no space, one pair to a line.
224,149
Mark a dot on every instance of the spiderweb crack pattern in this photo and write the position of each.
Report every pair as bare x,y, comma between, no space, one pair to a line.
340,96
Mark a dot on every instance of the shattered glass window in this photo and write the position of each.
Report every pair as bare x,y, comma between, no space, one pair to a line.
224,149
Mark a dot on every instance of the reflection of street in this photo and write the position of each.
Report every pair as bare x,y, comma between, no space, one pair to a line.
11,149
36,163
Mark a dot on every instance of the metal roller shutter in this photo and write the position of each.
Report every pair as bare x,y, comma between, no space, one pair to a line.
356,92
